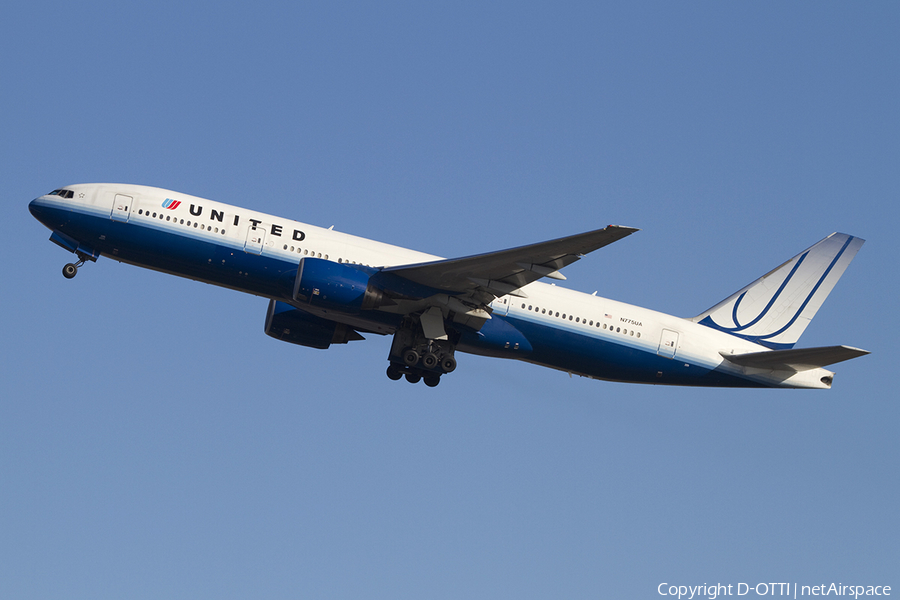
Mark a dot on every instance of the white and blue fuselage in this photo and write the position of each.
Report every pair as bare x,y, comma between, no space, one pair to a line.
326,287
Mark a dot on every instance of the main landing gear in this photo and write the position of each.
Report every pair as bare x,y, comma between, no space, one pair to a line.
418,358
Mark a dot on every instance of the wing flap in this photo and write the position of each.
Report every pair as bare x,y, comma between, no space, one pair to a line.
800,359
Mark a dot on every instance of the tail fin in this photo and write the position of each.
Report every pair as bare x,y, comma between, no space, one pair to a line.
775,309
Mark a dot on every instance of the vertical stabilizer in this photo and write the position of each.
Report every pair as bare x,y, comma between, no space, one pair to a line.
775,309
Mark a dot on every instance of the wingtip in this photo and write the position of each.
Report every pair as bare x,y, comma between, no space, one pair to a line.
860,351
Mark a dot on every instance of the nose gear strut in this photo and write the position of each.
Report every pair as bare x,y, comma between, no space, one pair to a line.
71,269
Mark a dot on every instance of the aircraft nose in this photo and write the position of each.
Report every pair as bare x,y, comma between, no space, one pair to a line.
34,209
40,211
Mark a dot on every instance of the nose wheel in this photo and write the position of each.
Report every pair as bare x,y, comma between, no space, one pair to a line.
71,270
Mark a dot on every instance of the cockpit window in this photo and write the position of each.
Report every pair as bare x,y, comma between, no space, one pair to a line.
63,193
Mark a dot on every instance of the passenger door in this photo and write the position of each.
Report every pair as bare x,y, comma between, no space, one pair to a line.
121,208
256,238
668,342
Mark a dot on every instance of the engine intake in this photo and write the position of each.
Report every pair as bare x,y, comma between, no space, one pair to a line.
335,286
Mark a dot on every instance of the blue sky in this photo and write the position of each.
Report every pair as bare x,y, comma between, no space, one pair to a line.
155,443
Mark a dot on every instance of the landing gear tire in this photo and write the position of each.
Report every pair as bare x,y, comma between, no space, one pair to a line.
69,271
417,357
448,365
429,361
411,358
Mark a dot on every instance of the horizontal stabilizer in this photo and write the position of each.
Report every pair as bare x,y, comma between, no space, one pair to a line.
800,359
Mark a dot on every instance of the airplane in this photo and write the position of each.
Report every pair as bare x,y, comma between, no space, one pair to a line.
327,287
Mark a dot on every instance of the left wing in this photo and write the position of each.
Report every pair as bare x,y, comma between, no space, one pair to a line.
495,274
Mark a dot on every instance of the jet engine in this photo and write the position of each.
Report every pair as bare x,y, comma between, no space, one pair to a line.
335,286
289,324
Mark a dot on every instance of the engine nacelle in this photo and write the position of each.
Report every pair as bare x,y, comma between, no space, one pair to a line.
335,286
289,324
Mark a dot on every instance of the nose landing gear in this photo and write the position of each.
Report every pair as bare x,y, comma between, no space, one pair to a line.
71,270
